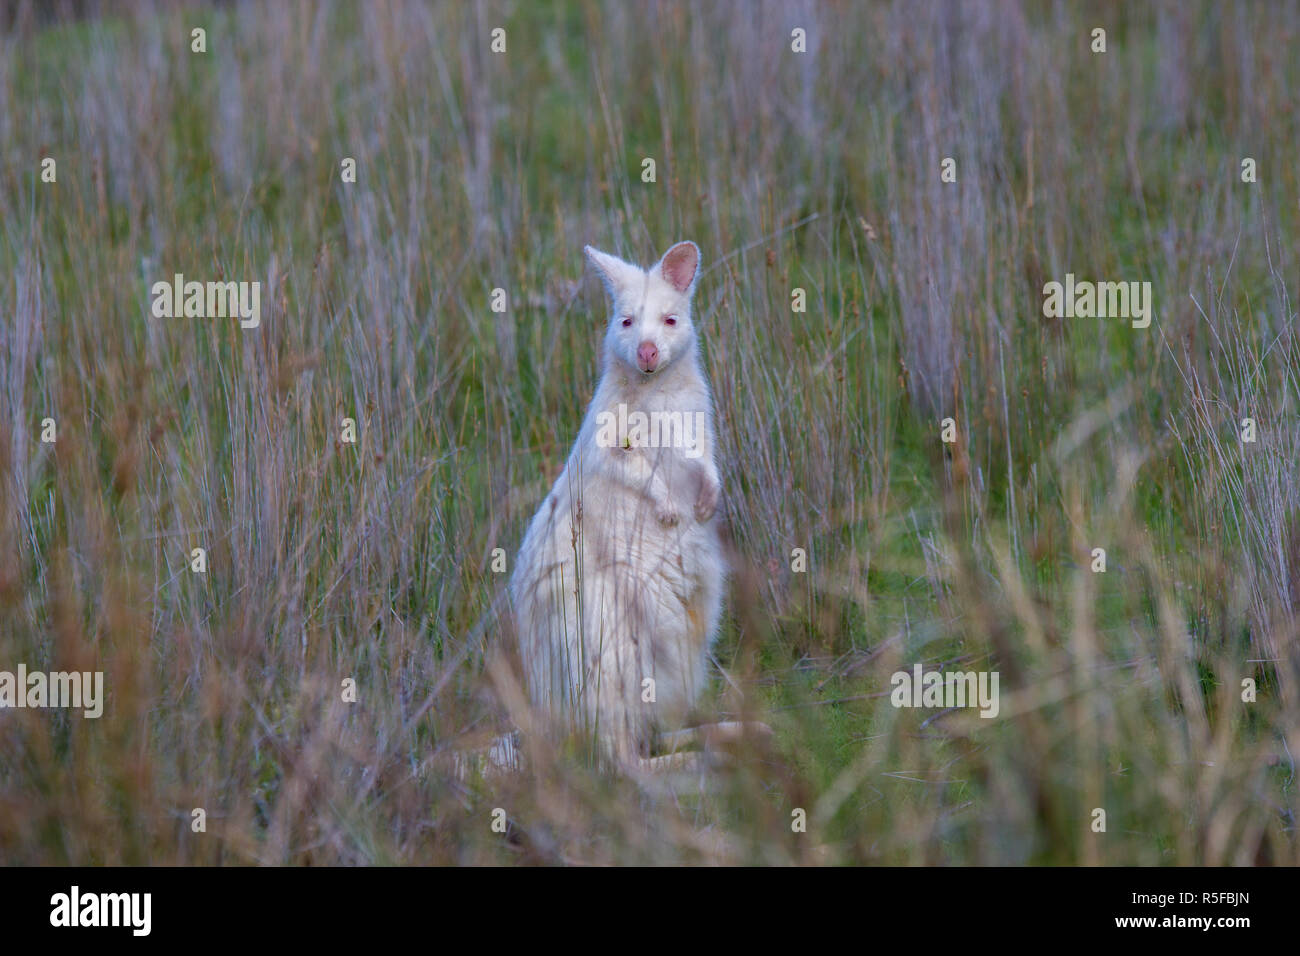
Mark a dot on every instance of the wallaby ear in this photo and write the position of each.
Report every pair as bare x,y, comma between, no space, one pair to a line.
614,272
680,265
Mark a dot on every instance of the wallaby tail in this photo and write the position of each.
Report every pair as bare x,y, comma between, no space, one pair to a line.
502,756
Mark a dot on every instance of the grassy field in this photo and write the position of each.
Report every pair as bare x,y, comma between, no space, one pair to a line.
475,170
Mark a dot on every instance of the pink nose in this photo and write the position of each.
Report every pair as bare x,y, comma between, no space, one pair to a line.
647,356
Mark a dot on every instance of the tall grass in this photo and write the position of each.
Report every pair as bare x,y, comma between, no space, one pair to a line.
374,562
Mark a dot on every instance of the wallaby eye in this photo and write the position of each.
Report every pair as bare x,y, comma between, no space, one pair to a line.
627,320
670,320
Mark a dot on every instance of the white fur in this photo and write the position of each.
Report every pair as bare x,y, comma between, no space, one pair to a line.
621,572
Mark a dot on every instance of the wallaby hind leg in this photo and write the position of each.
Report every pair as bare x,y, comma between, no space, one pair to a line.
712,736
681,762
684,762
677,774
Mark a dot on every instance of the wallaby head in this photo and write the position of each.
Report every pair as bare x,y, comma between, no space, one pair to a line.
650,321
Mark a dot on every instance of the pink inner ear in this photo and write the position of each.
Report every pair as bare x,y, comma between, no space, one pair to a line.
680,263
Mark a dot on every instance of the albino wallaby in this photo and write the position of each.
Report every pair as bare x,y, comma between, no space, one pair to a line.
618,586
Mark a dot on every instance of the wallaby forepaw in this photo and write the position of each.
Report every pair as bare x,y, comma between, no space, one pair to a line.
667,515
706,504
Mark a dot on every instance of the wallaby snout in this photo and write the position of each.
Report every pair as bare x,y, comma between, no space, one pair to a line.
647,356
